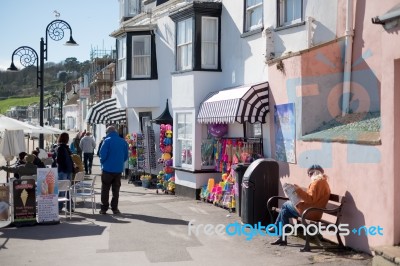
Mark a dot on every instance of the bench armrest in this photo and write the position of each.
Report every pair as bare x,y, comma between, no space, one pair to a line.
333,211
269,207
271,199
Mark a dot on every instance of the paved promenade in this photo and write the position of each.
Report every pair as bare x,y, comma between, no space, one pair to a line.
152,230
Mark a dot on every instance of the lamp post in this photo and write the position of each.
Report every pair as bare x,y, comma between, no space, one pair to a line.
54,100
54,30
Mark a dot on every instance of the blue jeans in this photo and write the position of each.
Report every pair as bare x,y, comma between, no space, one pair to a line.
88,161
287,211
64,176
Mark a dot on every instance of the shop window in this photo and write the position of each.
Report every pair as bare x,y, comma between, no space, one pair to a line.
184,137
253,15
253,130
121,51
198,37
289,12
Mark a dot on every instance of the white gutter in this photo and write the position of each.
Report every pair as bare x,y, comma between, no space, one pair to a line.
347,57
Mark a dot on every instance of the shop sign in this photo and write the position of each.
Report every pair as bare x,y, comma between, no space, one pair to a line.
47,195
24,201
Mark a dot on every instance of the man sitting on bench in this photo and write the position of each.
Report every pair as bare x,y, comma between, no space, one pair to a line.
317,195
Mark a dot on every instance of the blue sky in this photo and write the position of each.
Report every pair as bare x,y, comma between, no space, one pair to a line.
24,22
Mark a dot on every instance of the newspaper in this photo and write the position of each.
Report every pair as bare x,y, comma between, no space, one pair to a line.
290,191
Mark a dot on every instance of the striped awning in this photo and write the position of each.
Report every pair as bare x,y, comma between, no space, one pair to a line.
247,103
106,111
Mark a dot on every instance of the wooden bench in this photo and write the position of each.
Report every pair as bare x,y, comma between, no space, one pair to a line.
333,208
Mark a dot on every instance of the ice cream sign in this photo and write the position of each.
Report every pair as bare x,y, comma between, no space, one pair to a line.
47,195
24,201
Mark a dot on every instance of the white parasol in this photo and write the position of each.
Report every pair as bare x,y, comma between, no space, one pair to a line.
7,123
11,145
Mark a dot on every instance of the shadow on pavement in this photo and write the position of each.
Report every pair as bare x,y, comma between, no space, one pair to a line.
44,232
110,218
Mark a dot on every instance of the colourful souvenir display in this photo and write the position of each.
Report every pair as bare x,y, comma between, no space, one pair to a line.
221,194
166,178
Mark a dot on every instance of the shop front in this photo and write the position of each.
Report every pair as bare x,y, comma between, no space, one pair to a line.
228,124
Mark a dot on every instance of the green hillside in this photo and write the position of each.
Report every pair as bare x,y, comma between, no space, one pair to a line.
5,104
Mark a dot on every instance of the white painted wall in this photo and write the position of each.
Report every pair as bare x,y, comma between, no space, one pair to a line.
295,39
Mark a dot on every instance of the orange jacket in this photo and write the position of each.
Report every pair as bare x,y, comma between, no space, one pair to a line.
317,195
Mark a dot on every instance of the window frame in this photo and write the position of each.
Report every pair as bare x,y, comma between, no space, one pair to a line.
121,58
126,11
248,10
135,57
281,13
251,130
213,42
188,120
129,56
185,44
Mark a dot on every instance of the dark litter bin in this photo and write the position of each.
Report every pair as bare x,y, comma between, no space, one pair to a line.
260,182
239,169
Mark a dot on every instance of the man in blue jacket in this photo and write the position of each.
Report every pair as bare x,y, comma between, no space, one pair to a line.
113,154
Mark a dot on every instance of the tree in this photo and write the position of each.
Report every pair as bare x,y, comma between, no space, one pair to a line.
63,76
85,67
71,64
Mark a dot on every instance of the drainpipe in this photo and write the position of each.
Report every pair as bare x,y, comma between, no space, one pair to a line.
347,57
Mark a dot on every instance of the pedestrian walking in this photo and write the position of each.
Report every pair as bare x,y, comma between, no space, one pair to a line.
113,154
77,140
87,145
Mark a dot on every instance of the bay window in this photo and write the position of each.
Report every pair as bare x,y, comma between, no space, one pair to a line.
136,56
198,37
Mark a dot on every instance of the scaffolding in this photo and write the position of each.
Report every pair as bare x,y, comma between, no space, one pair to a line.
101,74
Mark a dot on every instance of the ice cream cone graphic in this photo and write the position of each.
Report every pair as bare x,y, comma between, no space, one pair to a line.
24,196
50,181
44,188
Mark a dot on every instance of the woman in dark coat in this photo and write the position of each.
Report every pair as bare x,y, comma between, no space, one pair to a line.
65,165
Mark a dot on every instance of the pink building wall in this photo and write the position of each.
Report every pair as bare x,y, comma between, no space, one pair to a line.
368,175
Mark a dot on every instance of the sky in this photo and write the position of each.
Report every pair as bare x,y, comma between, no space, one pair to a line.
24,22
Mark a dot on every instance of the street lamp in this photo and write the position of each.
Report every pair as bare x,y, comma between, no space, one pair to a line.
54,100
54,30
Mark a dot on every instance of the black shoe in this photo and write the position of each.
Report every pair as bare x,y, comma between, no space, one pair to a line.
90,172
116,211
86,173
279,242
102,212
